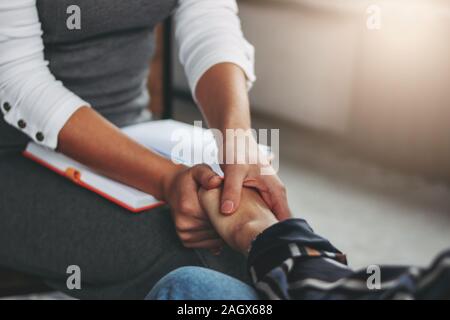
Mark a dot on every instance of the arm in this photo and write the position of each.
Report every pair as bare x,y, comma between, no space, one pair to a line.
288,260
33,101
279,254
92,140
219,63
30,94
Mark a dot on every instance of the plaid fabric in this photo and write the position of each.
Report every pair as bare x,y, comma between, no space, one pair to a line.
290,261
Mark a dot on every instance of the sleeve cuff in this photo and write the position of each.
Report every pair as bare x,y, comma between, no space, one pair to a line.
242,60
292,238
58,119
46,133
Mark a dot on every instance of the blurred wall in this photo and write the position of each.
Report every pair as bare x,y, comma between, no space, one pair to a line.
305,59
387,90
401,97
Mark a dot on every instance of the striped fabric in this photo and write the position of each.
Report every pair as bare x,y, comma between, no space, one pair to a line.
290,261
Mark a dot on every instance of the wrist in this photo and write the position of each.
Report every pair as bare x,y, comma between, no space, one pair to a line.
234,121
244,234
168,179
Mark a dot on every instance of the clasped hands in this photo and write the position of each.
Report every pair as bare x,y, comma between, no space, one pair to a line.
208,209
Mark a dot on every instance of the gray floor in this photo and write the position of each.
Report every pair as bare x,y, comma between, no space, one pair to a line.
375,215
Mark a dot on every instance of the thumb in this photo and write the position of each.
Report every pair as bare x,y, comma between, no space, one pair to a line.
282,211
231,194
206,177
279,202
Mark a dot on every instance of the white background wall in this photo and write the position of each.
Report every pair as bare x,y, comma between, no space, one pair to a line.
386,90
304,63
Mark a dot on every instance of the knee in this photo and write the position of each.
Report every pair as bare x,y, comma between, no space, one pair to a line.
197,283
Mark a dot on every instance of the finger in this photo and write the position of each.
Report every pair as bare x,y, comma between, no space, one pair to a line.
274,195
197,236
188,203
206,177
279,203
281,210
189,207
207,244
190,224
232,188
210,201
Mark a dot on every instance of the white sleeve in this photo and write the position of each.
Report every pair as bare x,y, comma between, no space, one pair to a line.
31,99
209,32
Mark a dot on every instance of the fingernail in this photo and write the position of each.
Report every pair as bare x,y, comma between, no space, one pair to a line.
227,206
214,179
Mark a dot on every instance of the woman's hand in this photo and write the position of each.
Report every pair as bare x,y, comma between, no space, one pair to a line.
257,174
269,187
240,229
181,192
222,94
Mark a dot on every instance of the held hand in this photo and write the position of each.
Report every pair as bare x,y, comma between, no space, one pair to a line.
240,229
181,193
269,187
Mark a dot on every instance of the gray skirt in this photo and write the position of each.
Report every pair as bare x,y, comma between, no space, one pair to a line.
47,223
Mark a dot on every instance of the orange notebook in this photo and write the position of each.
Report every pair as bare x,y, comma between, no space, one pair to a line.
131,199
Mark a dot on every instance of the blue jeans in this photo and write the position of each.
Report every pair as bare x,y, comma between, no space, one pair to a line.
196,283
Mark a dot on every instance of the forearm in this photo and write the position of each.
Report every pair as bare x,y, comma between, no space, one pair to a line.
92,140
222,95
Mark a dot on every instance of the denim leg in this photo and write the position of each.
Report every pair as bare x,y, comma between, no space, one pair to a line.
197,283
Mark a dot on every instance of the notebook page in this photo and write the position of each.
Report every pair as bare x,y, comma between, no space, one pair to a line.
128,195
